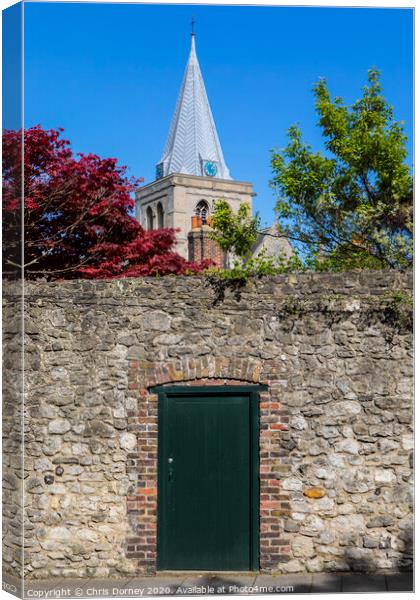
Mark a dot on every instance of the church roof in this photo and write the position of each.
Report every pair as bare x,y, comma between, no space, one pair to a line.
270,240
193,146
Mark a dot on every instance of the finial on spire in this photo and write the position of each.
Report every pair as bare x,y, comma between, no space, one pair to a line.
192,26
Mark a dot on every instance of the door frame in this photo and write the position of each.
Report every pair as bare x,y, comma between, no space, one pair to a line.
252,391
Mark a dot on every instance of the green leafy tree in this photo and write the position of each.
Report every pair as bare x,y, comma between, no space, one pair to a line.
352,207
236,233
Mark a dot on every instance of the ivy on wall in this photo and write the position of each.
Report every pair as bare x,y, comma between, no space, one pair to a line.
393,309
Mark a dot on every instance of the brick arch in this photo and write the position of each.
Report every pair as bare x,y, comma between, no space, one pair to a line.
142,463
144,375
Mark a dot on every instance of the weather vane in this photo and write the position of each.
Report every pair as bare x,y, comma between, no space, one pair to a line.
192,26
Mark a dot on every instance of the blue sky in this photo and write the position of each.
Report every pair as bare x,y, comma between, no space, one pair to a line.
110,75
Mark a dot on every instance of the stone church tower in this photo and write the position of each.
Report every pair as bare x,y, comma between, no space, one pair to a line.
191,175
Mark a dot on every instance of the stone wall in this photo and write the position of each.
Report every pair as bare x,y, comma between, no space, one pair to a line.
336,421
12,431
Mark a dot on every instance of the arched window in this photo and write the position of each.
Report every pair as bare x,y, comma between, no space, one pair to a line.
202,211
149,219
159,211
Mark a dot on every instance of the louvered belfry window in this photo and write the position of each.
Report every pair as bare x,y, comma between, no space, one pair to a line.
202,210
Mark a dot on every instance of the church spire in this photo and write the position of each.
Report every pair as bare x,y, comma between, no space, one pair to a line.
193,146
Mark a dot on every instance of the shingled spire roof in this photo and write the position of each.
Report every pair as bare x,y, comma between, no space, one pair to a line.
193,146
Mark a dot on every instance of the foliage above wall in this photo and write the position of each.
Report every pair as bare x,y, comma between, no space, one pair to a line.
76,215
236,233
351,208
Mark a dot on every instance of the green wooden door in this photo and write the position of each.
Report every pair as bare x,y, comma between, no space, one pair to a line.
207,480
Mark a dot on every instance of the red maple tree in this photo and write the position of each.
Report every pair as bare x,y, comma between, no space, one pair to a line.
76,215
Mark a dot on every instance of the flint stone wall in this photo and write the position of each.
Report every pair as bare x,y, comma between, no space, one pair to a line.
336,423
